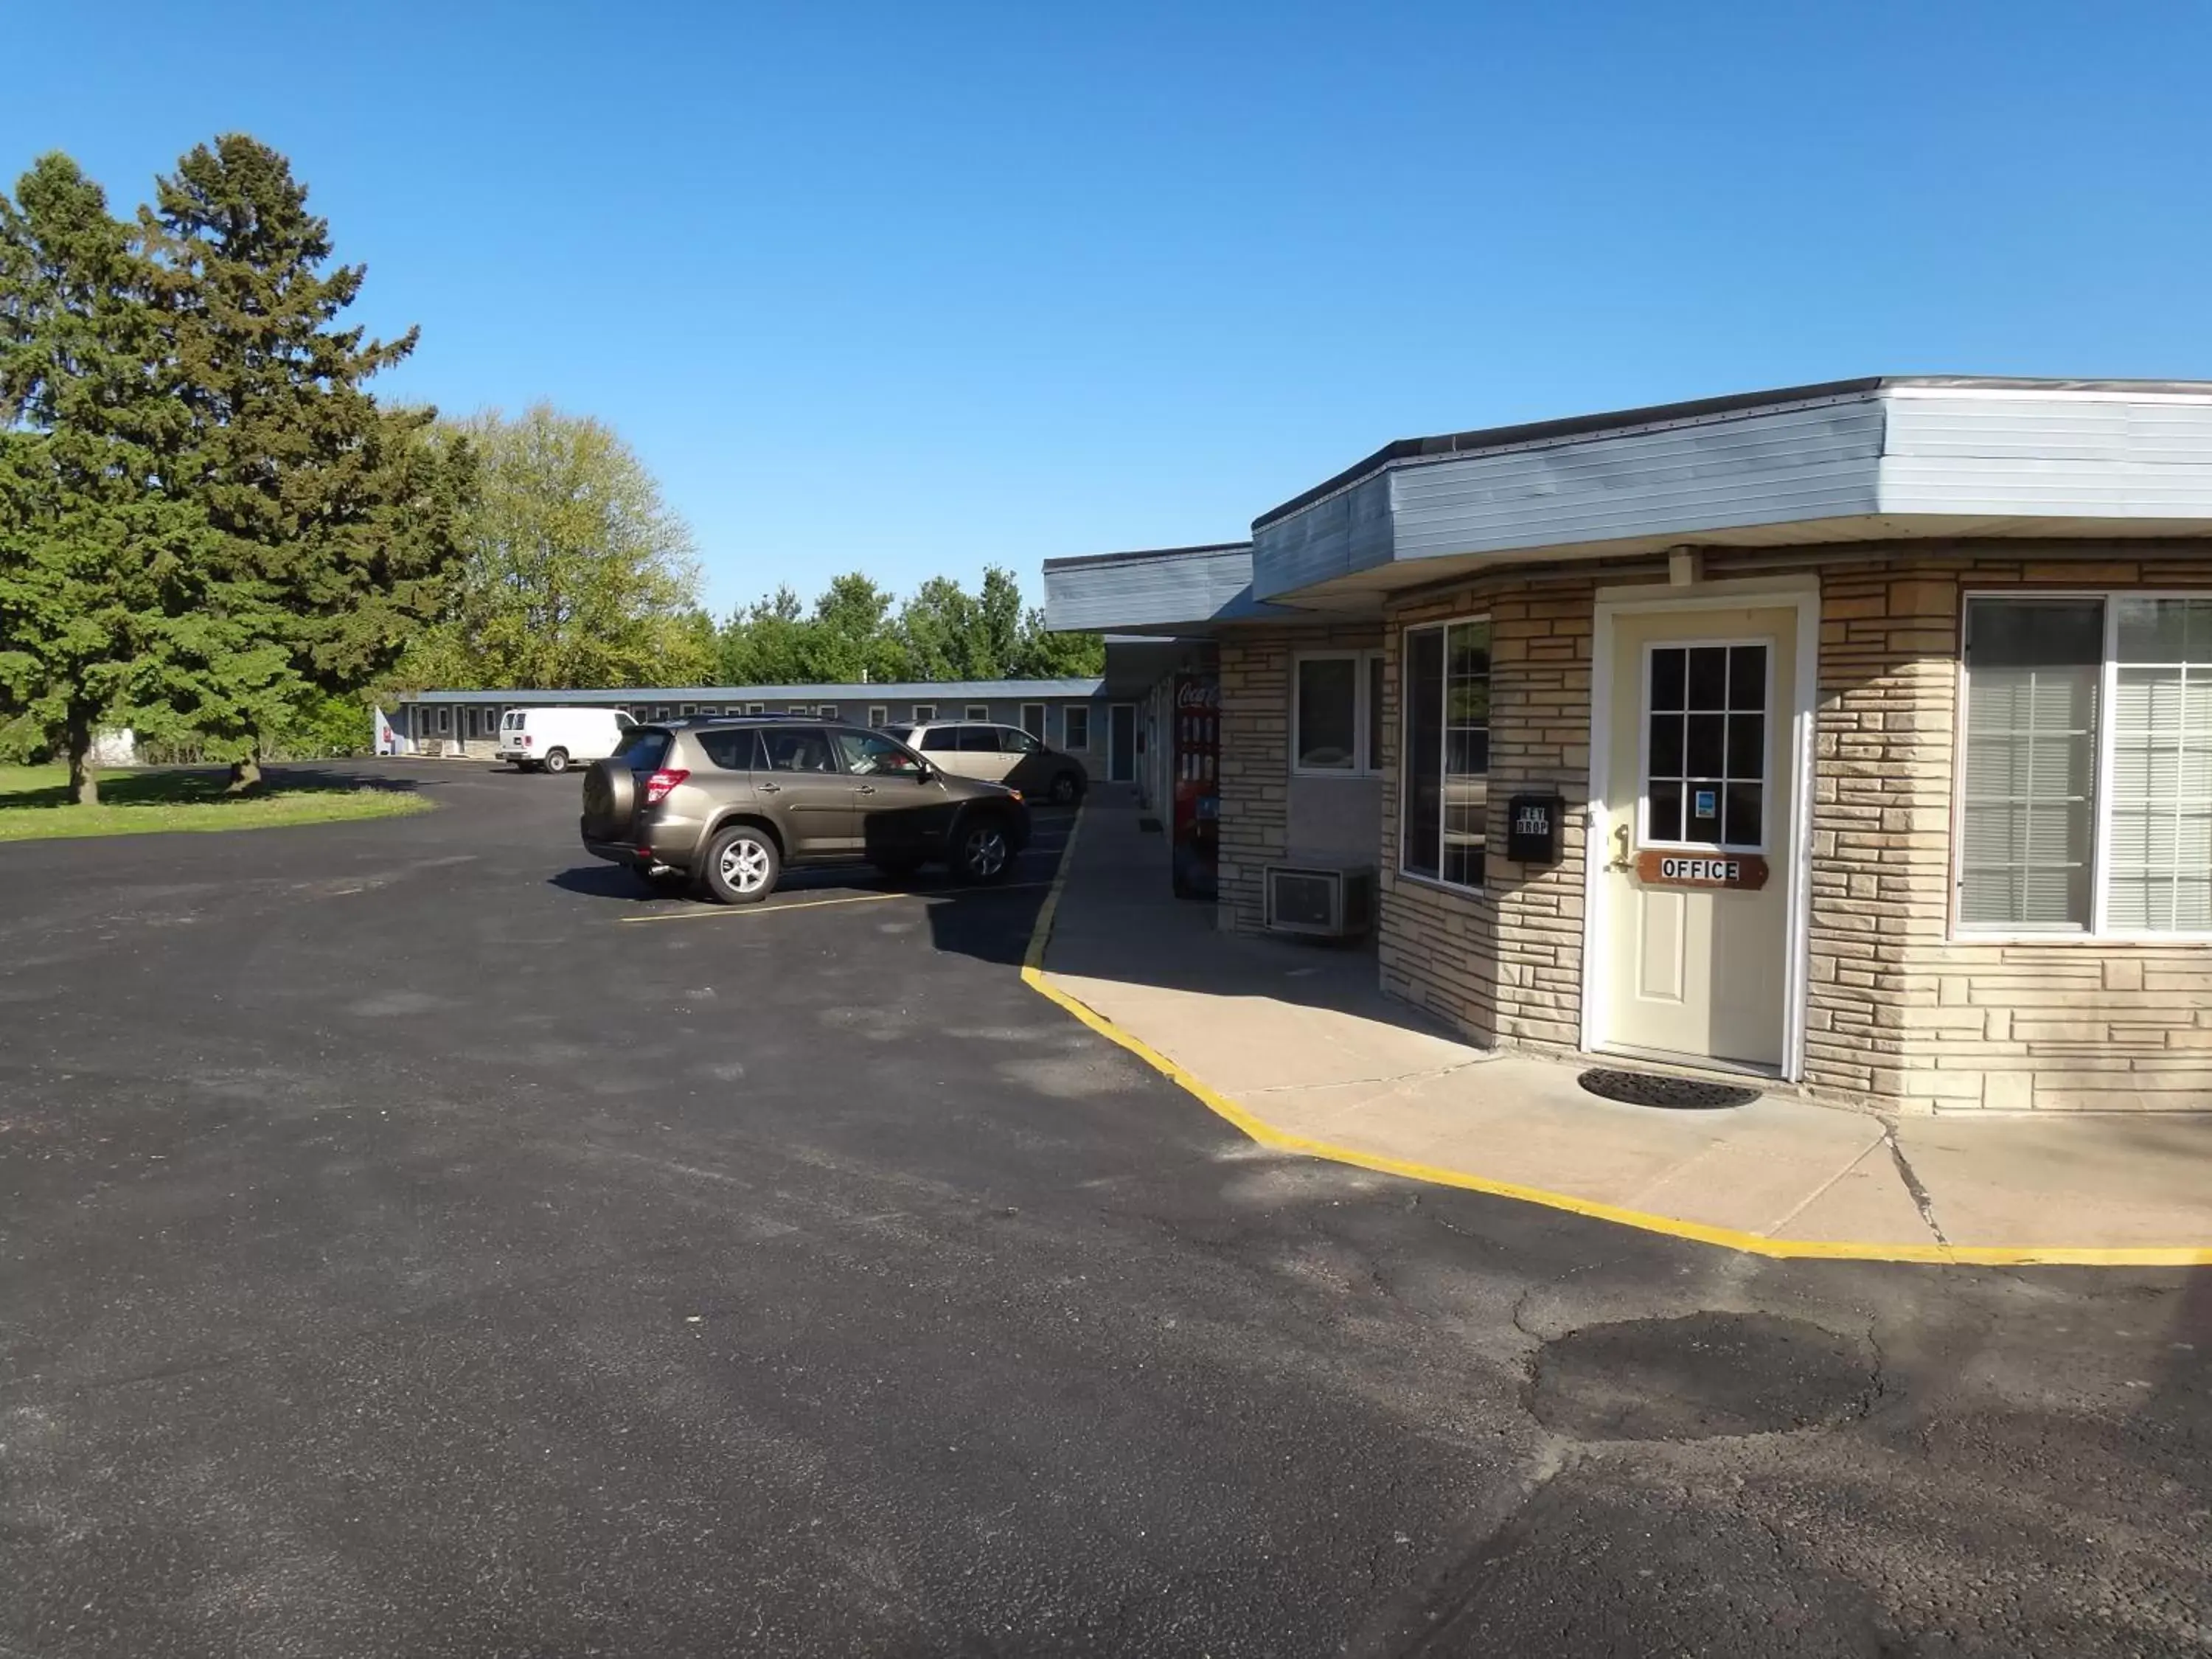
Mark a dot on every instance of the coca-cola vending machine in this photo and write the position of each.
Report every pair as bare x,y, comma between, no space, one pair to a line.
1197,752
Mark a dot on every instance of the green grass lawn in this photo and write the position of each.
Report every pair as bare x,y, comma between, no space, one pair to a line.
35,804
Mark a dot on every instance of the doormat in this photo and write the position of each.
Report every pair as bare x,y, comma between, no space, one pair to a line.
1677,1094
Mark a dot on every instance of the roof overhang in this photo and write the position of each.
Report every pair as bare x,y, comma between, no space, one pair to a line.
1850,461
1174,593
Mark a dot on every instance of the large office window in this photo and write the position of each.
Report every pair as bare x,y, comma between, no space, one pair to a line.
1336,712
2085,794
1445,686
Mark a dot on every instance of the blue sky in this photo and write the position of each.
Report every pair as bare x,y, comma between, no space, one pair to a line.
917,289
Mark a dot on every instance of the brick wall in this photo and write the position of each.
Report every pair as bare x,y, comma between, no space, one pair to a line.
1898,1009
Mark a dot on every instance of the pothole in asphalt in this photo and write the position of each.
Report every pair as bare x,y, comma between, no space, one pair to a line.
1699,1377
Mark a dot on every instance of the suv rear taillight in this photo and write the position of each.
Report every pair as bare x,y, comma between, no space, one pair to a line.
658,784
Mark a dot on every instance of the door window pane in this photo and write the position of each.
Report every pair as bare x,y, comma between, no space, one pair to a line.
797,750
2026,822
1704,781
869,753
1328,692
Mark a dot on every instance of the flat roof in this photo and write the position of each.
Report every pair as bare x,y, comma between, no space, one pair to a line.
1500,437
899,691
1138,555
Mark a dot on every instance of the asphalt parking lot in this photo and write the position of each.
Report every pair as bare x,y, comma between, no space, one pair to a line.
415,1239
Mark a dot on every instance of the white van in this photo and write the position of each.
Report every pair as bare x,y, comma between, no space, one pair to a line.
557,739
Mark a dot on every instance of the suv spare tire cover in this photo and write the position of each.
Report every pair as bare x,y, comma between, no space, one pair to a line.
609,800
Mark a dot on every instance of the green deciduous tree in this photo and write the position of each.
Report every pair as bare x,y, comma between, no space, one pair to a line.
337,516
942,632
574,572
98,548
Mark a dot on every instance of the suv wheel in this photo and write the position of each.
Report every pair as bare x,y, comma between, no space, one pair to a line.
555,761
983,852
1066,790
742,864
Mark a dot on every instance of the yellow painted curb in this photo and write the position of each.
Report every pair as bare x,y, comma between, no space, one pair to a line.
1266,1134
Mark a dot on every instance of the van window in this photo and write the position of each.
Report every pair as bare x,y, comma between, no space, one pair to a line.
734,751
940,737
980,739
642,749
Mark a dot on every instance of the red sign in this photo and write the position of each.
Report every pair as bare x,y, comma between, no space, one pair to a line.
1197,753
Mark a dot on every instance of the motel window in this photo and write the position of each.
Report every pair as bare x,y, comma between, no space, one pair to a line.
1445,775
756,709
925,711
879,716
1033,719
445,718
1075,726
828,711
978,711
1336,712
2085,799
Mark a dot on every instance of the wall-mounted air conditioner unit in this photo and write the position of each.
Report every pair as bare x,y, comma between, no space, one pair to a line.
1320,899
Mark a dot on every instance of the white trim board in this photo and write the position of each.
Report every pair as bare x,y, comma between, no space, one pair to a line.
1801,593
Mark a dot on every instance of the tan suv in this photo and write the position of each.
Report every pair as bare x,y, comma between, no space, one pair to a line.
725,805
1003,753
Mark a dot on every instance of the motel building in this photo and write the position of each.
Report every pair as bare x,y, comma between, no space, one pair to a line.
1858,736
1073,716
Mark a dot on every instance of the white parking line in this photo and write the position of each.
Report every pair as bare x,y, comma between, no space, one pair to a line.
731,912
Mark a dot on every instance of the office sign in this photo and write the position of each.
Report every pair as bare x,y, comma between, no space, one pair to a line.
1743,871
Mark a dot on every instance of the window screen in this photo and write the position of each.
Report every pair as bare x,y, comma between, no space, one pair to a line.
2027,821
2160,856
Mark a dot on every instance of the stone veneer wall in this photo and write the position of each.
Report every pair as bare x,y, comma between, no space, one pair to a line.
1255,756
1900,1009
1505,965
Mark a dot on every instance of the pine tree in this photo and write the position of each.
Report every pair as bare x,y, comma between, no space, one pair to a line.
337,516
95,550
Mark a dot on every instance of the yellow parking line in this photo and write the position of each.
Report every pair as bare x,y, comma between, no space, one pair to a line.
1267,1134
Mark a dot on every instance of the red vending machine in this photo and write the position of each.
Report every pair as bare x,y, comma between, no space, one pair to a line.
1197,753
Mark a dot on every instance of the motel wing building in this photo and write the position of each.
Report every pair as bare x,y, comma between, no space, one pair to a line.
1857,735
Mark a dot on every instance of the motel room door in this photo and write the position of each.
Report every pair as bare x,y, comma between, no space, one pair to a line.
1700,805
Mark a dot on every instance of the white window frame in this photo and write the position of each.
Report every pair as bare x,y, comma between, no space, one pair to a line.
1067,742
1481,889
924,711
1040,730
444,719
1363,716
979,711
1643,837
879,716
826,711
2099,930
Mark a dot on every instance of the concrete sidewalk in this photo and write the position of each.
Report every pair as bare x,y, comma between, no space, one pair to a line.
1294,1042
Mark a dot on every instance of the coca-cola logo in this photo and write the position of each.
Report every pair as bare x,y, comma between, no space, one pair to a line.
1198,694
